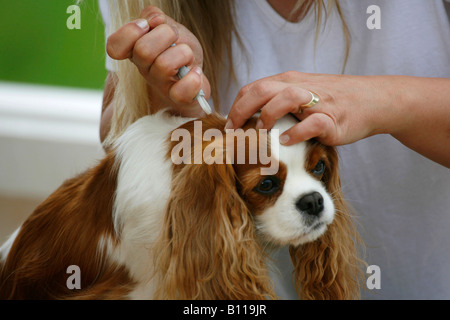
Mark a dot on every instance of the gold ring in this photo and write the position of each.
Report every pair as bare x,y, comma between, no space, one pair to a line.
314,100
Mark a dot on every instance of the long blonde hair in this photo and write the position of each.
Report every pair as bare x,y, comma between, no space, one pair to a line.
214,30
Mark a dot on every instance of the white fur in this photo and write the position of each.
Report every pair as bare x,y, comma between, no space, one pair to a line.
143,189
282,223
6,247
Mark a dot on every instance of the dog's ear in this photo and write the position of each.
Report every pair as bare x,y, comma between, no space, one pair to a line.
208,248
329,268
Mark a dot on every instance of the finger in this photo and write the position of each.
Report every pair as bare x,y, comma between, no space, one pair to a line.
154,16
286,77
151,45
165,68
250,100
317,125
120,44
185,90
287,101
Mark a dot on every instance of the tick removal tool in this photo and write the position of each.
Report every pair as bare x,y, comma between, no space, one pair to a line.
182,72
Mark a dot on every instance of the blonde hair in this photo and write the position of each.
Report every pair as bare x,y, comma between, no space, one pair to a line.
131,99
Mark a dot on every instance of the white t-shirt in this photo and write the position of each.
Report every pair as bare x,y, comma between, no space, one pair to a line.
402,199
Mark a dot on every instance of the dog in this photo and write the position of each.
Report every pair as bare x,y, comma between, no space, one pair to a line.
151,221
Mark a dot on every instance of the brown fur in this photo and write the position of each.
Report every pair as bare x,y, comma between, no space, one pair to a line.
329,268
208,247
64,230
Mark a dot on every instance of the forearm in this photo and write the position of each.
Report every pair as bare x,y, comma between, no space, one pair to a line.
421,120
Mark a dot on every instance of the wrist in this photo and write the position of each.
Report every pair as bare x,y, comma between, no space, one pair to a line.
393,97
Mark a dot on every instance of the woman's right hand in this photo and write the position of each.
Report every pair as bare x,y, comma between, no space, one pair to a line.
147,42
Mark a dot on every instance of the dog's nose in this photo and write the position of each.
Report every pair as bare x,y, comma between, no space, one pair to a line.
311,204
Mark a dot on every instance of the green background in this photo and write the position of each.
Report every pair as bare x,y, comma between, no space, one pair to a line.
37,47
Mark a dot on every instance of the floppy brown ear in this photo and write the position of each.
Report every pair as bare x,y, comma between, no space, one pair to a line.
208,248
329,268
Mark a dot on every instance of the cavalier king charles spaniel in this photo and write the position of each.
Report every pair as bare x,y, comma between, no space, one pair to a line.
144,225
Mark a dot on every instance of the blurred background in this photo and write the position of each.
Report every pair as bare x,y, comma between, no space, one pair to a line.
51,86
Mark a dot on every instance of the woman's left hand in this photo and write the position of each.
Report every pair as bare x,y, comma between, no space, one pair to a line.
414,110
350,107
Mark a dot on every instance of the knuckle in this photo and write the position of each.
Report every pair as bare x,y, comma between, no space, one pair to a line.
143,51
167,30
175,96
238,113
260,89
244,91
115,48
292,94
328,98
267,114
289,75
111,48
185,51
179,96
163,64
185,90
319,122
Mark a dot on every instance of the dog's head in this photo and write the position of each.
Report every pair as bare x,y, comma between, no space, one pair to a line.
236,193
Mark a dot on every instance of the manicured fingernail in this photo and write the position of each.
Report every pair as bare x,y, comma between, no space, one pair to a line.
284,139
142,23
259,124
229,125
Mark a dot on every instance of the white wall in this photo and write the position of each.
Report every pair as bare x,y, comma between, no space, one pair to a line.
47,134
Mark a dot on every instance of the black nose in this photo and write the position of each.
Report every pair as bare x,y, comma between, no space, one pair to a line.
311,204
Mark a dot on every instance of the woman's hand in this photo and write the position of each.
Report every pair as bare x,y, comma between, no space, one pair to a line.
147,43
349,108
414,110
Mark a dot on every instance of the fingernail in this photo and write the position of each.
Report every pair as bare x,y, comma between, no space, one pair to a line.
153,17
142,23
175,29
198,70
229,125
284,139
259,124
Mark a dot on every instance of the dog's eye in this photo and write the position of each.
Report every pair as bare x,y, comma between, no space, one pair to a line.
319,169
268,186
